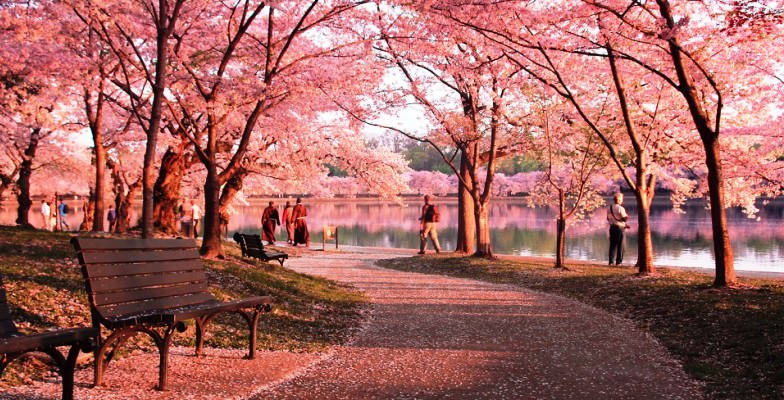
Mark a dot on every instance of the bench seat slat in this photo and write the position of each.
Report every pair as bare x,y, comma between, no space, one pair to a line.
139,256
148,293
104,244
155,306
45,339
117,270
151,280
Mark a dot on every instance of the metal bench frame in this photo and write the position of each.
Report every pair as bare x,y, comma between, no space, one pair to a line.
14,344
153,286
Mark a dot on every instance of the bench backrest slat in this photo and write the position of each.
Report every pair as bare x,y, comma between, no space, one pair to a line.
135,282
7,326
96,271
138,256
254,242
126,277
148,293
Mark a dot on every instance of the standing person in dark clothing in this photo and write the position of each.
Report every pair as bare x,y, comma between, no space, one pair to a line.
112,217
616,217
298,214
269,220
427,226
63,210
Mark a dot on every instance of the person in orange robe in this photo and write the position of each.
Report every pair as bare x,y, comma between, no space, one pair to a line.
298,214
269,220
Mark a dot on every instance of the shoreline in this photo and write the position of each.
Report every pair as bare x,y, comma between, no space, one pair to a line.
413,252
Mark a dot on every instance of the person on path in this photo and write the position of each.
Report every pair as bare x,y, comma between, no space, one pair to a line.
62,211
298,214
288,223
616,217
427,226
196,217
186,218
269,221
46,214
111,216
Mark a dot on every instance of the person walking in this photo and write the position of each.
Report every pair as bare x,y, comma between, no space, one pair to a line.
288,223
269,220
616,217
63,211
186,218
111,216
196,217
298,214
46,214
427,226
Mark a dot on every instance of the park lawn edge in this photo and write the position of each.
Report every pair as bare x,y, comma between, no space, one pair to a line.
45,291
731,340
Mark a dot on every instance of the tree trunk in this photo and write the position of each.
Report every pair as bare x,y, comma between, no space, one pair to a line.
644,240
88,222
23,183
466,227
560,241
560,230
722,247
98,198
166,195
484,246
124,202
211,242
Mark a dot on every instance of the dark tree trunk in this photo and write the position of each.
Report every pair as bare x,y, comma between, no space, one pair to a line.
560,231
560,242
23,183
466,227
211,242
722,247
98,198
644,240
484,246
124,205
167,188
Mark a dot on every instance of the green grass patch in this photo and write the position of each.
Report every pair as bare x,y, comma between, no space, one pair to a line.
730,339
45,290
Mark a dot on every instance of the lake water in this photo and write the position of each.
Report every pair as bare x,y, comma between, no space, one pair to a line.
679,239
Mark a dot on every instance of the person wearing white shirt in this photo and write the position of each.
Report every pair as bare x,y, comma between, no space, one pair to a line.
197,215
46,213
616,217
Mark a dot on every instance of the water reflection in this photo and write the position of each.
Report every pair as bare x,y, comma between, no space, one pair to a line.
679,239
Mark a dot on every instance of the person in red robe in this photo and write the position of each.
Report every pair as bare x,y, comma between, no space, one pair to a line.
288,223
269,220
298,214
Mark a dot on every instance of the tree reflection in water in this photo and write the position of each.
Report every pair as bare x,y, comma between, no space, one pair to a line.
680,239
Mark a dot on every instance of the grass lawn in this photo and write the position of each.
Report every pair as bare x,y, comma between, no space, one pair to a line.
732,340
45,290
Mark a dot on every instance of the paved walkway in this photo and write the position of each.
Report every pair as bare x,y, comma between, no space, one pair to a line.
435,337
429,337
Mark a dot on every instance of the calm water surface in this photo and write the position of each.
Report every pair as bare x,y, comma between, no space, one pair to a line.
680,239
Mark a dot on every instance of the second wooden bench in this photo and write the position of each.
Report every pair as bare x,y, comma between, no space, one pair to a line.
153,286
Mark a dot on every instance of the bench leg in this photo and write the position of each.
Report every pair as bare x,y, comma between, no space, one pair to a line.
201,330
164,343
67,371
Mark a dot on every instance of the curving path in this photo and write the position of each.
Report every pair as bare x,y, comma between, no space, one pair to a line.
433,337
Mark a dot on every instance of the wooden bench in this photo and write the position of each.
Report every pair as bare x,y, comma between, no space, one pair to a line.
153,286
14,344
251,246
